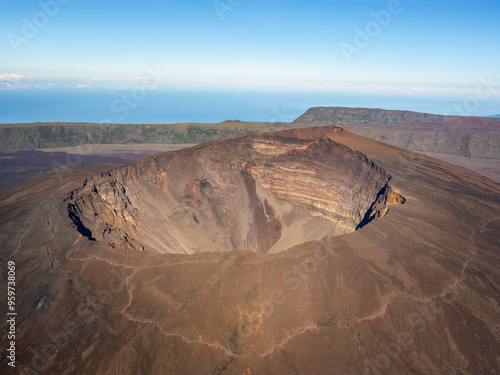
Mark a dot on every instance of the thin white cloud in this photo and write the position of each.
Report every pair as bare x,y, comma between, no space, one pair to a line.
10,77
15,81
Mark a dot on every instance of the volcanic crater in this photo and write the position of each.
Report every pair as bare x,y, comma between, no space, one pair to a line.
414,292
265,193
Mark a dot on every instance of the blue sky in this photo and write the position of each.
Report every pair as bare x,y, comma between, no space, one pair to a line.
423,47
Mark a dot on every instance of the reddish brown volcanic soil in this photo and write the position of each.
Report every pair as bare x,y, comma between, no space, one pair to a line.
470,142
264,193
285,253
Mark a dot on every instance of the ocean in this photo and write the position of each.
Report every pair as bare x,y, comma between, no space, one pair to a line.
154,107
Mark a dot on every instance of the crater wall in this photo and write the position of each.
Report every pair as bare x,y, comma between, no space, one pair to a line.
264,193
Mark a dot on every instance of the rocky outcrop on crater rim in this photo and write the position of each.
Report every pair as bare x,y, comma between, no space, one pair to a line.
265,193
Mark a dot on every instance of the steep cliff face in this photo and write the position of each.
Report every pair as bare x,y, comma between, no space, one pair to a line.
376,116
47,135
263,193
476,137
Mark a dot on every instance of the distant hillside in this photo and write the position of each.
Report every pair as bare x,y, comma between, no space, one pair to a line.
477,137
402,119
46,135
494,116
329,115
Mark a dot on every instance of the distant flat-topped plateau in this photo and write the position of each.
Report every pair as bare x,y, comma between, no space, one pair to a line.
470,142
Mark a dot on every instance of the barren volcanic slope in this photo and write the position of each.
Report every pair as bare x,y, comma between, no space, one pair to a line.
477,137
448,138
310,251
